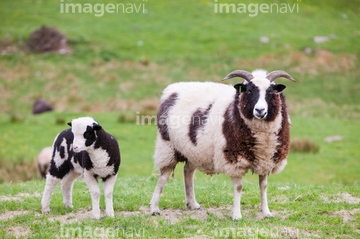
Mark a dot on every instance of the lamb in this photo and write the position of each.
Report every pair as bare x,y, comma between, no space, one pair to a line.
43,161
217,128
85,149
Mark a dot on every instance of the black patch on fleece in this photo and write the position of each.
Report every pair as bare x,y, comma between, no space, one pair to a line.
107,142
272,98
198,121
163,115
283,149
238,136
89,135
179,157
66,166
249,98
85,161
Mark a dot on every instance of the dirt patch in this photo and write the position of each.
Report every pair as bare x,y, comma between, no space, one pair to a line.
19,197
71,217
18,231
347,215
343,197
175,215
284,188
294,233
11,214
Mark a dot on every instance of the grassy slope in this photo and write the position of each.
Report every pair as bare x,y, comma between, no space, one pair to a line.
110,76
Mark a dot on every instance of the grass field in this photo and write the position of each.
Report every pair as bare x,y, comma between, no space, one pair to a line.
117,69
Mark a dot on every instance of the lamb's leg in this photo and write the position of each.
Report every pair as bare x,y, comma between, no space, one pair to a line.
108,193
154,203
94,189
189,172
236,213
67,186
51,183
263,193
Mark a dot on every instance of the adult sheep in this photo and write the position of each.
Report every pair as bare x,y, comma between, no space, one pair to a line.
85,149
217,128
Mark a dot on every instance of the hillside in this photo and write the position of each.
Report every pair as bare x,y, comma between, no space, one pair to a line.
116,68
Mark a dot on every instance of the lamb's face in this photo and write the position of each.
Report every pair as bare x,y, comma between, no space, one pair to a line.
260,99
84,130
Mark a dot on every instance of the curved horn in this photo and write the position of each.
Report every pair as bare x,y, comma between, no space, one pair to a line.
240,73
276,74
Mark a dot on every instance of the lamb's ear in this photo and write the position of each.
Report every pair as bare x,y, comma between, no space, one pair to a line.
279,87
69,124
240,87
96,127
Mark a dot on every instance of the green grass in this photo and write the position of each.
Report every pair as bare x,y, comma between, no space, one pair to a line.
112,77
303,210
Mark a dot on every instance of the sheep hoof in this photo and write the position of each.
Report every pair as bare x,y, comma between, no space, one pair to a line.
96,215
268,215
236,217
155,214
193,206
45,211
68,205
110,214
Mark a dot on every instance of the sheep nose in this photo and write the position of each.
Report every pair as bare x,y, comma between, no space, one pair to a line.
260,111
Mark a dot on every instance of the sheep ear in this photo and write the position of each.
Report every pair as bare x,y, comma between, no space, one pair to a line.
279,88
240,87
96,127
69,124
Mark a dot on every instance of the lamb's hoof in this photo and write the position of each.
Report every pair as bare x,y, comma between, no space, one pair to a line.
110,214
195,206
155,214
236,217
69,206
96,215
45,211
268,215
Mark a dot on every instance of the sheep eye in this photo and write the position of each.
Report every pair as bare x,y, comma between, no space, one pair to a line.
248,92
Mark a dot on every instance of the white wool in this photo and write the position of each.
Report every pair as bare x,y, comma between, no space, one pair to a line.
207,154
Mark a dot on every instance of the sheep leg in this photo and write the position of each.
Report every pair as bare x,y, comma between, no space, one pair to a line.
263,193
94,189
50,185
108,193
154,203
189,172
236,213
67,186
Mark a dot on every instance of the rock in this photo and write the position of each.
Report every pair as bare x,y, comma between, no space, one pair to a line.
333,138
264,39
48,39
40,106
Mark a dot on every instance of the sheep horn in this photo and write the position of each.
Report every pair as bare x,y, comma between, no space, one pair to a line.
240,73
276,74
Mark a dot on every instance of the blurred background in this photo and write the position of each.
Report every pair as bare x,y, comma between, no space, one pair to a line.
112,59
